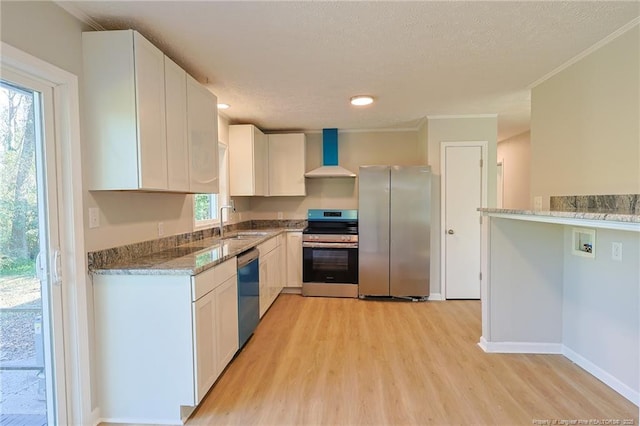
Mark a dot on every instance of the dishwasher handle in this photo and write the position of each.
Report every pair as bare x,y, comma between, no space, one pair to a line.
247,257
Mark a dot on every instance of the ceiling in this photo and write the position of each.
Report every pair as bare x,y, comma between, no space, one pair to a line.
294,65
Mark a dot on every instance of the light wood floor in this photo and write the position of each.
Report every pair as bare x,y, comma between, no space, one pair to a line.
321,361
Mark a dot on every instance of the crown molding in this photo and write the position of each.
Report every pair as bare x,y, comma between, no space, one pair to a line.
79,14
446,117
608,39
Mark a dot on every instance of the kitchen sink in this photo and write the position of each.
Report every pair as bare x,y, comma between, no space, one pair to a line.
253,233
241,237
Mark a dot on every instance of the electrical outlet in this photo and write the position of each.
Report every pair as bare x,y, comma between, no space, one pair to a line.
160,229
616,251
537,203
280,215
94,217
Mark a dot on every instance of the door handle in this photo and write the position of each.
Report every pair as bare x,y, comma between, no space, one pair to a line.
40,271
57,268
450,232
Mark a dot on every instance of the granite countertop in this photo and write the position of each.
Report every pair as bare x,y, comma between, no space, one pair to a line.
191,258
589,214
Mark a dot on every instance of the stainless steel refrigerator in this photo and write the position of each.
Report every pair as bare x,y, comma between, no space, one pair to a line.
393,231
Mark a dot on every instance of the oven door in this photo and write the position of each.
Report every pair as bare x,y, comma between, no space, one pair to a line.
330,262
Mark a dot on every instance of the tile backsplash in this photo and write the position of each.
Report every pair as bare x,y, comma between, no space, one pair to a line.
619,203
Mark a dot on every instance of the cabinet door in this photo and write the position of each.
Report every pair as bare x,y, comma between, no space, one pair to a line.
150,106
294,259
272,276
202,127
260,159
205,353
280,272
247,161
287,164
264,287
175,83
227,321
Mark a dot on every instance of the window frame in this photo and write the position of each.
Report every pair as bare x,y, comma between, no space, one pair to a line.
219,199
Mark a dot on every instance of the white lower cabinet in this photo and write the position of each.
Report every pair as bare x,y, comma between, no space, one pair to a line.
162,341
272,274
226,322
294,259
206,362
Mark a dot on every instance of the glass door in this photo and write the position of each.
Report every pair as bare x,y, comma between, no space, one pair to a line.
32,385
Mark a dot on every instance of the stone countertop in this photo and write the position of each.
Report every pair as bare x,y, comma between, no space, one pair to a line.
577,214
604,219
191,258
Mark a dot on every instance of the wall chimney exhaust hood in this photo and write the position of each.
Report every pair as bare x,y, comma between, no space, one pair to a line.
330,167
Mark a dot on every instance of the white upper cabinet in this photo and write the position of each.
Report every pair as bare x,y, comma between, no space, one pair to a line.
266,165
136,118
248,156
202,125
287,163
175,83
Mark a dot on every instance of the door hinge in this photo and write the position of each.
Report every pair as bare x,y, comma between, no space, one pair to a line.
480,276
480,220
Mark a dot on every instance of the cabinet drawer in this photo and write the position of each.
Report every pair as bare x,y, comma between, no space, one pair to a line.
267,246
226,270
206,281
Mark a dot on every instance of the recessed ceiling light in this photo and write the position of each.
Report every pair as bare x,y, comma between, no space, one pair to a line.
223,106
361,100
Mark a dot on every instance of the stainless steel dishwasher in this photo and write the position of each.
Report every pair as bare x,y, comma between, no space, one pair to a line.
248,294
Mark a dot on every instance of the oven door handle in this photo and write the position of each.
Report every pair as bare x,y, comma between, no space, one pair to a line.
330,245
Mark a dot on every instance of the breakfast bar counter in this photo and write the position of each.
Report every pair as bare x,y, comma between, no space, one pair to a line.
565,282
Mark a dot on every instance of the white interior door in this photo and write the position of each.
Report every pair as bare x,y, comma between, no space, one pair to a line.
462,195
32,375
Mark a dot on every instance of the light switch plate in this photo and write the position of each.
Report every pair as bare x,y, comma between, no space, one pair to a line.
94,217
160,229
616,251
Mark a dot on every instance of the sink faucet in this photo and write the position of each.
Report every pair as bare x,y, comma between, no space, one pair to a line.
230,207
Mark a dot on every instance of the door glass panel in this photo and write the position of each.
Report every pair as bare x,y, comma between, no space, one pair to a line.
23,325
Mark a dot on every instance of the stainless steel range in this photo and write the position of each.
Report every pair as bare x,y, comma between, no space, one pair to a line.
330,254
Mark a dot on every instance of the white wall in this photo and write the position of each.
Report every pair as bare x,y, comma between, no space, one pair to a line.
585,126
355,149
515,155
601,305
449,130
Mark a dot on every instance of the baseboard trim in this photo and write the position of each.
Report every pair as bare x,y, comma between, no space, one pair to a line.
602,375
139,421
520,347
95,417
292,290
483,344
560,349
436,297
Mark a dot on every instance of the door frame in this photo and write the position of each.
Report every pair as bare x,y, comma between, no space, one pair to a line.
484,147
71,221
